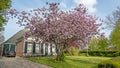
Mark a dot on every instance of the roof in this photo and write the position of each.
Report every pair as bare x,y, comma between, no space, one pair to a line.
14,38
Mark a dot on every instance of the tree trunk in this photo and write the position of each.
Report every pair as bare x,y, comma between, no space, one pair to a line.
51,52
87,51
60,55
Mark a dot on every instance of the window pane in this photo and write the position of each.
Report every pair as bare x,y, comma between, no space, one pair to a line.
29,48
12,48
37,50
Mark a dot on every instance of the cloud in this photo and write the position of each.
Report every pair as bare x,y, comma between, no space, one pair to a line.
88,3
63,4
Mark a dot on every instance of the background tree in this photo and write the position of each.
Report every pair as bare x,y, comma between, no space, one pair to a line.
99,43
59,27
93,45
1,37
111,20
4,4
115,36
103,44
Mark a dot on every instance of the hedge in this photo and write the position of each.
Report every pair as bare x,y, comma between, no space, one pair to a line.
112,63
101,53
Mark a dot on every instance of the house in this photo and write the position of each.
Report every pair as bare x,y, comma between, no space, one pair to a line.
27,47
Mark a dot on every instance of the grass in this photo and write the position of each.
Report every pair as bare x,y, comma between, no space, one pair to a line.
70,61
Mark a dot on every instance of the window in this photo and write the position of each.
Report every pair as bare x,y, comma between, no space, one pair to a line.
29,47
37,48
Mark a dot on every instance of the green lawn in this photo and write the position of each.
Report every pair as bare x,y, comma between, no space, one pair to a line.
70,61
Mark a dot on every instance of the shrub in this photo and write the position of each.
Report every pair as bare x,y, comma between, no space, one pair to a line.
112,63
117,54
73,51
82,54
101,53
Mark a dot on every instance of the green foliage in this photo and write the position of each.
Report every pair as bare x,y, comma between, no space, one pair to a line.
112,63
103,44
73,51
2,20
60,57
4,4
115,36
100,44
101,53
117,54
82,54
93,45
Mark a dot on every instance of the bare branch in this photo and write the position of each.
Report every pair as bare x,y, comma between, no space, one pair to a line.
111,20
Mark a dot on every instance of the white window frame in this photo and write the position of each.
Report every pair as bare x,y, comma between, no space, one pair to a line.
30,48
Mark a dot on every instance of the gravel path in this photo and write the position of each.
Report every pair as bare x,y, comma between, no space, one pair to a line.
19,63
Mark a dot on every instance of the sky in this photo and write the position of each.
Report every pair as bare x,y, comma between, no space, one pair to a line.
100,8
